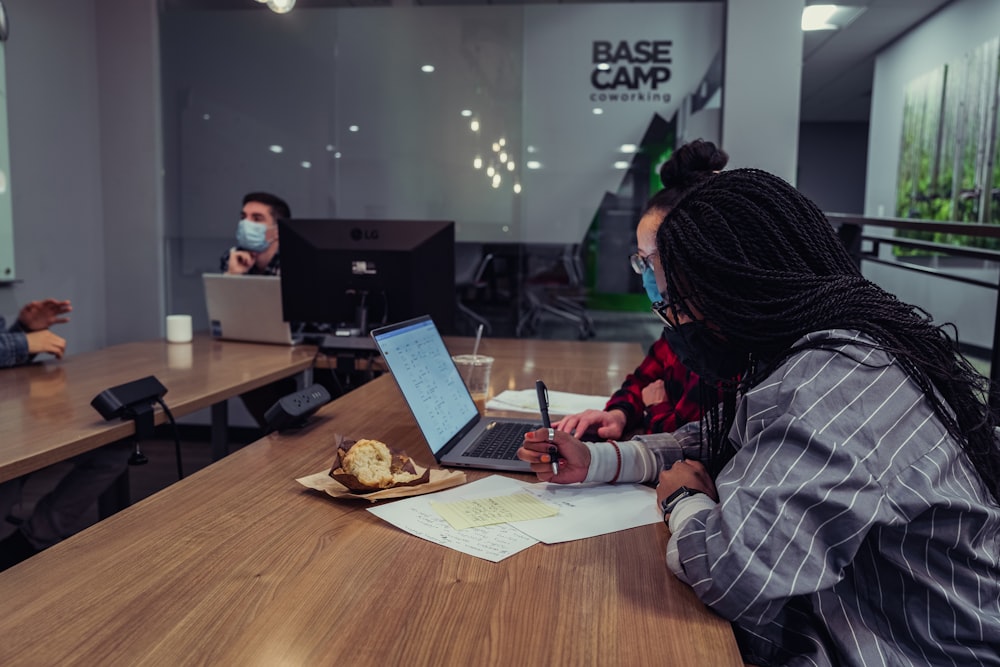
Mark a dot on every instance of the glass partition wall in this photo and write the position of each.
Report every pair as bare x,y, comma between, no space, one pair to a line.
534,127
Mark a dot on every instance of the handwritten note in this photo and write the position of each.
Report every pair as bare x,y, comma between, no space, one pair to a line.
492,543
462,514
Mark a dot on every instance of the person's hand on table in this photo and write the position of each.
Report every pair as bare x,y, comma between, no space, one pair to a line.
573,456
39,315
685,472
45,341
654,393
240,261
608,424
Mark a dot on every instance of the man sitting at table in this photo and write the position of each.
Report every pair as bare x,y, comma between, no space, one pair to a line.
30,334
59,513
256,249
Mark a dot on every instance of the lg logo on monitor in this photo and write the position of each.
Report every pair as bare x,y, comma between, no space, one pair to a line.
358,234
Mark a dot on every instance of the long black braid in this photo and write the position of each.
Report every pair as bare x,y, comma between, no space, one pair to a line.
759,261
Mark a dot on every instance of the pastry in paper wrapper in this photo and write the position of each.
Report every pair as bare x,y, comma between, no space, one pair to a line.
368,465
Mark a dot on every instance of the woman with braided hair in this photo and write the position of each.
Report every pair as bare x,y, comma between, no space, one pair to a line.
841,505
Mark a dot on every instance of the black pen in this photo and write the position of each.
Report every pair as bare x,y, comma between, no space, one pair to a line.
543,407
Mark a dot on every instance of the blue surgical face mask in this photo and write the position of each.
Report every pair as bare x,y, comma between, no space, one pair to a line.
252,236
649,282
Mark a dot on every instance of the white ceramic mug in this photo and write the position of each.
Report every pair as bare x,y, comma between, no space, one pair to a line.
178,328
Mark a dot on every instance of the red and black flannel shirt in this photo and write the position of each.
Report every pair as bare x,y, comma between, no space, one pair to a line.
681,386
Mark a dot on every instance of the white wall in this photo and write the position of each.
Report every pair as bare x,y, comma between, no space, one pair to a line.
763,79
947,36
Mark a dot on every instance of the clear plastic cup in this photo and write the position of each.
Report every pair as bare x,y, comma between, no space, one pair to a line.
475,371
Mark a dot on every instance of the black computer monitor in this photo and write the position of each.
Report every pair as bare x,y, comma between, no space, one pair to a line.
354,275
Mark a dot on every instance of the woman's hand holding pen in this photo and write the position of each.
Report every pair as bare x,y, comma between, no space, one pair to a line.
574,457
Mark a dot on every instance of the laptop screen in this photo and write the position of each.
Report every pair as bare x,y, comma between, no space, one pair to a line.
428,378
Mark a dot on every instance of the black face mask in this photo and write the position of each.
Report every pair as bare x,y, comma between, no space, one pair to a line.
704,353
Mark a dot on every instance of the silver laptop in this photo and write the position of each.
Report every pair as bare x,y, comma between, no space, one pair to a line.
442,405
246,308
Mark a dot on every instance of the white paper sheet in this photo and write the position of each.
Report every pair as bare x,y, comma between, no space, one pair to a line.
560,402
492,543
585,510
588,510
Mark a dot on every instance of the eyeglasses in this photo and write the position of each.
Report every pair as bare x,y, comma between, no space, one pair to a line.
640,263
661,308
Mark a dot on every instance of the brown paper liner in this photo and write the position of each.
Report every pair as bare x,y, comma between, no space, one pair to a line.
337,484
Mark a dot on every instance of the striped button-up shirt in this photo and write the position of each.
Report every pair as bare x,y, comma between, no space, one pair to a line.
851,528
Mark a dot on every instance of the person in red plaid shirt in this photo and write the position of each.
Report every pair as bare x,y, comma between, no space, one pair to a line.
661,394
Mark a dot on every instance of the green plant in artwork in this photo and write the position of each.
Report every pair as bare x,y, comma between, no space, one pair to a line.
949,154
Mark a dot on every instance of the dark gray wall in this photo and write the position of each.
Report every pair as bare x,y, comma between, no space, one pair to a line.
82,83
832,164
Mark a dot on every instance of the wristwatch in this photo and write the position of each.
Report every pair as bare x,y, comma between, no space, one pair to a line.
670,502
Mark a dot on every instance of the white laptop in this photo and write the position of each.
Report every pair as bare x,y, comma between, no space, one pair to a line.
246,308
442,405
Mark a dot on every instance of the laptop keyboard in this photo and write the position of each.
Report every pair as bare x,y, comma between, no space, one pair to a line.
501,441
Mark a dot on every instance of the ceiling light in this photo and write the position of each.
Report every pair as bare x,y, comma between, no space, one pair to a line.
502,141
466,113
510,166
490,170
598,111
496,180
336,155
474,125
517,188
353,128
628,148
533,164
503,156
604,67
427,68
531,149
477,162
306,164
280,6
621,164
275,148
829,17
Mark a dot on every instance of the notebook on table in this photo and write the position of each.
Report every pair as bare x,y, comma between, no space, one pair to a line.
433,389
246,308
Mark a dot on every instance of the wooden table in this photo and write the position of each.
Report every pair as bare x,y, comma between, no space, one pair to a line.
238,565
45,411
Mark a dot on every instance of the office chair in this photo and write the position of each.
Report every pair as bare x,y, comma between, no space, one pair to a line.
470,270
557,289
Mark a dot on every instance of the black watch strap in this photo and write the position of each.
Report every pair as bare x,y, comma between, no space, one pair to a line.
670,502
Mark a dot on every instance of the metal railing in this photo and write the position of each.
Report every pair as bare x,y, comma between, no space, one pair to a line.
865,247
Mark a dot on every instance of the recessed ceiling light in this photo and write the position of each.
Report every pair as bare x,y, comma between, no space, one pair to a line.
275,148
533,164
517,188
477,162
427,68
598,111
621,164
603,67
306,164
353,128
466,113
337,155
474,126
829,17
628,148
329,148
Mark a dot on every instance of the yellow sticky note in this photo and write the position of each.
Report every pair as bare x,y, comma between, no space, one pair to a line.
488,511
